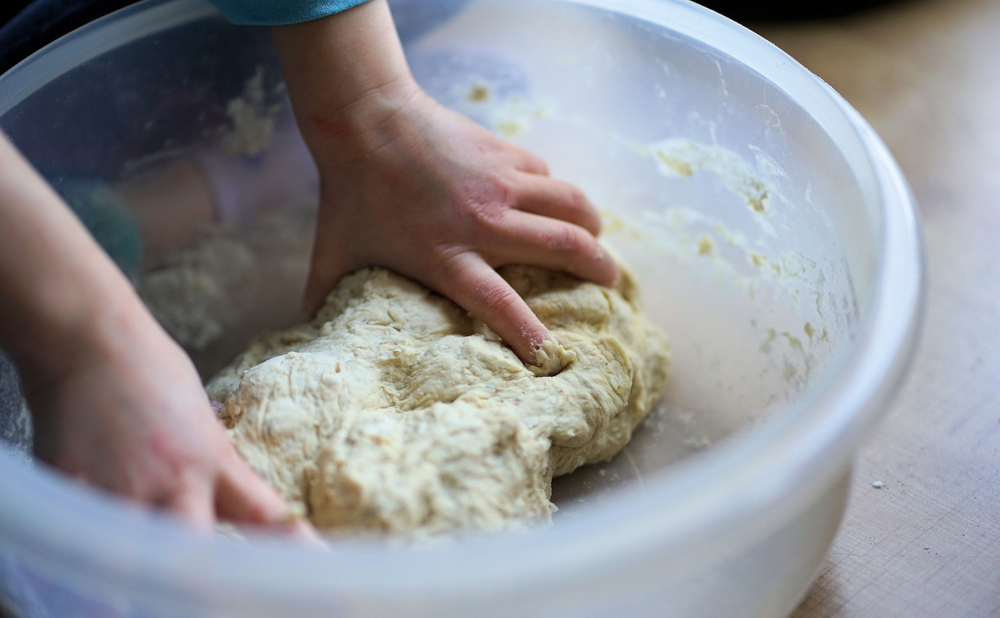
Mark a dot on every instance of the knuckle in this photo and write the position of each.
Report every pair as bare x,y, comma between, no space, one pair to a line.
503,192
452,261
567,239
451,273
488,199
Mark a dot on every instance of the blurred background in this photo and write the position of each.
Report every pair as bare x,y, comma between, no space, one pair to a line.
27,25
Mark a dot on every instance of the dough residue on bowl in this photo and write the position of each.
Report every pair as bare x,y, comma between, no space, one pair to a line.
393,411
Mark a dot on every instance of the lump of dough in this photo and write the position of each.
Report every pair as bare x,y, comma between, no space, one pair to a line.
393,411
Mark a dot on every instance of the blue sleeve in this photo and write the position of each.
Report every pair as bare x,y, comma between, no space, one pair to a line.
280,12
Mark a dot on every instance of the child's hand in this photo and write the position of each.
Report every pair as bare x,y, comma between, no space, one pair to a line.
442,200
113,399
127,412
412,186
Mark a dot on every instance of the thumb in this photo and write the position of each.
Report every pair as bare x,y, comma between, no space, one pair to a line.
243,497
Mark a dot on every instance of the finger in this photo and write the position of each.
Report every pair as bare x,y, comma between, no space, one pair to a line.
192,501
477,288
243,497
541,241
528,162
553,198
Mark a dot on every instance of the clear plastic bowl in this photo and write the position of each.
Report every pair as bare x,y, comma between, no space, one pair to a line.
773,234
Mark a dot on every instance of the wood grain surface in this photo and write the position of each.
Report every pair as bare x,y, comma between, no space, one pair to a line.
926,75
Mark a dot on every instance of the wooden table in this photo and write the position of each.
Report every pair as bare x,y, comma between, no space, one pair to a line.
926,74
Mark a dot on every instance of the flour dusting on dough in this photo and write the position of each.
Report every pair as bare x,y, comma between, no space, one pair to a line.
390,412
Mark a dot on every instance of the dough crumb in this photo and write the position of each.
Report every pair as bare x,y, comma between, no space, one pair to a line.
551,358
391,413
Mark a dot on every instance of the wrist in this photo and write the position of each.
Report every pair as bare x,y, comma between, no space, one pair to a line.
361,128
58,289
83,326
346,76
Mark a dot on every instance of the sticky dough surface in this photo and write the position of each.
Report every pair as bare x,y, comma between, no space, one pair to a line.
395,412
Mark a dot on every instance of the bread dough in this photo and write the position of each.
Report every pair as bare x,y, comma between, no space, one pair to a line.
393,411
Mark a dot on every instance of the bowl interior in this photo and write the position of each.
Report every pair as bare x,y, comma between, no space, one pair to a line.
753,233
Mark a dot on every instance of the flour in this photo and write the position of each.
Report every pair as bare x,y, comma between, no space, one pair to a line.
252,118
391,413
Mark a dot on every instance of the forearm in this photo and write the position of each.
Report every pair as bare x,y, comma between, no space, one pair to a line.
57,286
346,74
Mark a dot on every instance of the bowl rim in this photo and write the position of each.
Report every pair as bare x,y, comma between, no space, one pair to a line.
44,517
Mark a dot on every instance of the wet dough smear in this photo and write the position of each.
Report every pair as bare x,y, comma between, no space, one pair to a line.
395,412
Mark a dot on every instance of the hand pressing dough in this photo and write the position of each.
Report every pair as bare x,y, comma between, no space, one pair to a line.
393,411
